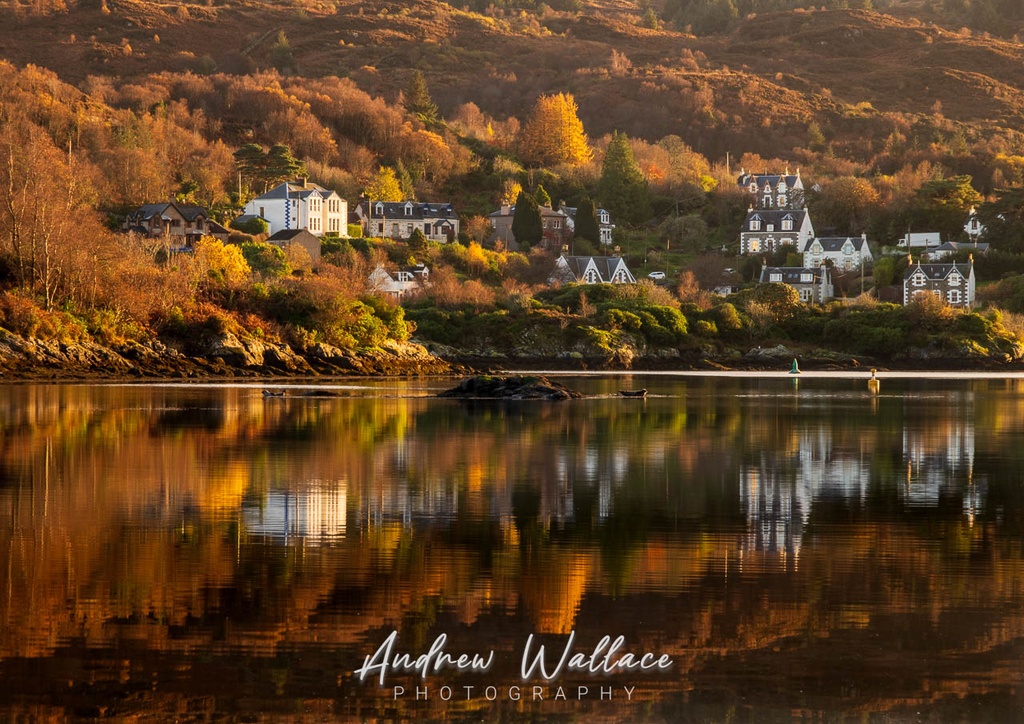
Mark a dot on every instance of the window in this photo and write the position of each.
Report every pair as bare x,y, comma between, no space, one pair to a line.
767,201
782,199
787,224
954,279
408,209
806,278
953,296
775,277
918,280
755,245
805,295
770,227
590,277
755,224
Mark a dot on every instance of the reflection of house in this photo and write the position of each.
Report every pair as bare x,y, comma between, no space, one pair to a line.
846,253
591,270
952,283
399,219
301,204
398,284
180,224
940,459
814,284
768,230
556,224
773,191
314,515
288,238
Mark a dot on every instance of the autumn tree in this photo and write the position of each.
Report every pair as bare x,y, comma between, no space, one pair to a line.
586,225
527,224
553,134
943,205
847,203
622,187
266,169
416,99
1003,220
383,186
44,214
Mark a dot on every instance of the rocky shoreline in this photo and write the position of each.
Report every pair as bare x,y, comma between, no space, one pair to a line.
229,356
226,356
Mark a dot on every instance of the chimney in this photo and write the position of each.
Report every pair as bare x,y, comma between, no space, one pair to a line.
506,209
302,181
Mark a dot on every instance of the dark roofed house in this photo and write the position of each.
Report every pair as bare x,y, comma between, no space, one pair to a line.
952,283
287,238
182,225
591,270
814,284
399,219
773,191
556,225
765,230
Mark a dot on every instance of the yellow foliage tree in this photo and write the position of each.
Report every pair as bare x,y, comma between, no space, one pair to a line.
554,135
384,186
220,264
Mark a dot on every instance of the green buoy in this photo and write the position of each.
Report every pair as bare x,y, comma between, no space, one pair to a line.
795,369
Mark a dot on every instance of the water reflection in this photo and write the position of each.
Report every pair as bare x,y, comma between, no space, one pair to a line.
739,525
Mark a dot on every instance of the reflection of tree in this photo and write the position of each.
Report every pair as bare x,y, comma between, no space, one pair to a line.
598,517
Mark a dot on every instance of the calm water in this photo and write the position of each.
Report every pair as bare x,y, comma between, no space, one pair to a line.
795,549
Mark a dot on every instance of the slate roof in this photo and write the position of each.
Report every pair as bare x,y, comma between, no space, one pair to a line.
420,210
792,274
289,234
294,190
774,216
836,243
606,265
936,272
791,180
148,211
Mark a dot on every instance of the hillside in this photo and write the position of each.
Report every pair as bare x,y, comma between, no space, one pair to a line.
858,74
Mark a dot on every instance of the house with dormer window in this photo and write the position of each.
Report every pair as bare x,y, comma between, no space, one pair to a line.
605,227
973,228
765,230
591,270
399,219
557,227
180,224
846,253
814,285
301,204
952,283
773,191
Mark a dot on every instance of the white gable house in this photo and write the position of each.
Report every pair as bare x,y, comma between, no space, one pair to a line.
301,204
814,285
399,283
952,283
591,270
847,253
765,230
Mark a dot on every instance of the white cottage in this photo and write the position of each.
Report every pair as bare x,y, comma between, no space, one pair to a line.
847,253
591,270
301,204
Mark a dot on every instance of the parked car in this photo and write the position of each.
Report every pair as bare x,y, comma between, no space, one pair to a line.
656,275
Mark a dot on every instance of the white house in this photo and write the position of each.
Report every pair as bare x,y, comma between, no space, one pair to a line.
953,283
301,204
605,226
591,270
973,227
399,284
814,284
765,230
847,253
399,219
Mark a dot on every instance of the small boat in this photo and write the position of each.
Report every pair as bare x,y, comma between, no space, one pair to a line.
795,369
634,393
271,393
